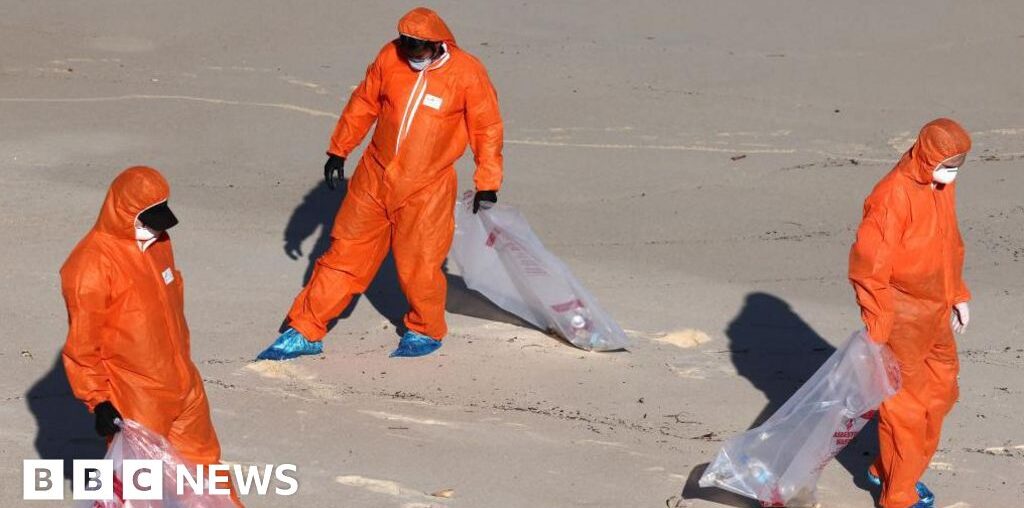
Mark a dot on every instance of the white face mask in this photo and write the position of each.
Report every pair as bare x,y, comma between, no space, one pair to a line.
944,175
145,234
419,65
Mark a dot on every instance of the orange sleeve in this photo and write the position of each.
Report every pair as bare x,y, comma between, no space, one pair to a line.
486,131
871,262
360,112
962,293
87,296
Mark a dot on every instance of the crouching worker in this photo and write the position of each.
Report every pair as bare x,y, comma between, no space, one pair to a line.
127,352
429,99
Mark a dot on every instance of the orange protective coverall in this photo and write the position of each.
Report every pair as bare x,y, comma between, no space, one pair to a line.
402,194
906,270
128,342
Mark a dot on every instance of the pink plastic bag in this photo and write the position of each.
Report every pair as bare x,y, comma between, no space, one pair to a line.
136,442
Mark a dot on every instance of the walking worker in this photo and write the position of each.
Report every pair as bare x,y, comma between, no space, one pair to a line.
429,99
906,271
127,353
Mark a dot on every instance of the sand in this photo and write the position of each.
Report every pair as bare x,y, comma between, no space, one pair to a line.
699,165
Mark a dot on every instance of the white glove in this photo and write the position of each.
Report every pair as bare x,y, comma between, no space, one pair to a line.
961,316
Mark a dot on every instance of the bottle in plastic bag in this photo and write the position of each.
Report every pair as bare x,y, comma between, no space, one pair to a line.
541,284
499,255
779,462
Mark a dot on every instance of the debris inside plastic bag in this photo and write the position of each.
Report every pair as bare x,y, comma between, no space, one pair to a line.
499,255
779,462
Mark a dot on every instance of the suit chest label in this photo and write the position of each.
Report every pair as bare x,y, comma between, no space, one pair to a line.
432,101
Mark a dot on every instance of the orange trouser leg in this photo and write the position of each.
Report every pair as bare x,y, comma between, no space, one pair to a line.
192,432
193,436
424,226
910,423
943,366
901,429
359,243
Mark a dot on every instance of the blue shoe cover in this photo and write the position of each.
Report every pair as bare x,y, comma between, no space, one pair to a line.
415,344
291,344
925,496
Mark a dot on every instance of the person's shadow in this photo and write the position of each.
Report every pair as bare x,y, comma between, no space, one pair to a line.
467,302
65,430
315,216
777,351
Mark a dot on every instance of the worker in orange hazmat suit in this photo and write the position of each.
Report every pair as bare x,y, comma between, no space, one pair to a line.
429,99
906,267
127,351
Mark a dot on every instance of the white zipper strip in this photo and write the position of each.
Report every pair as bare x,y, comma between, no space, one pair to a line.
419,102
408,105
407,117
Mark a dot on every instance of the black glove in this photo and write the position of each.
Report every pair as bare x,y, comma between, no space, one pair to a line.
105,414
482,196
334,170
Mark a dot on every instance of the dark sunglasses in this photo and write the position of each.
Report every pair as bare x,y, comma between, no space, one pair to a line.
416,48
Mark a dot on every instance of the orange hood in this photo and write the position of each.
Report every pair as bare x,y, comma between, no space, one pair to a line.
938,140
132,192
425,24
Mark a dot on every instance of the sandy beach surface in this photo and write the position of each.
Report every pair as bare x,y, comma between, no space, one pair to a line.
700,165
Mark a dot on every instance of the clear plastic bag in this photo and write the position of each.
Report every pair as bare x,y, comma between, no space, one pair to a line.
779,462
136,442
499,255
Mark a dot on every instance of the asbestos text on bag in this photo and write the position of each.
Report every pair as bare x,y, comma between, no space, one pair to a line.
500,256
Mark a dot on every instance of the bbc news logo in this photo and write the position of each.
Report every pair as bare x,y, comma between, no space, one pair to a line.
144,480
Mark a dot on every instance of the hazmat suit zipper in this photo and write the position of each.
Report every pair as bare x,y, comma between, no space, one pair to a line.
176,326
416,99
944,240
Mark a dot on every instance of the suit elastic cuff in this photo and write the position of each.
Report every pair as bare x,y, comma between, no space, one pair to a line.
95,401
487,185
